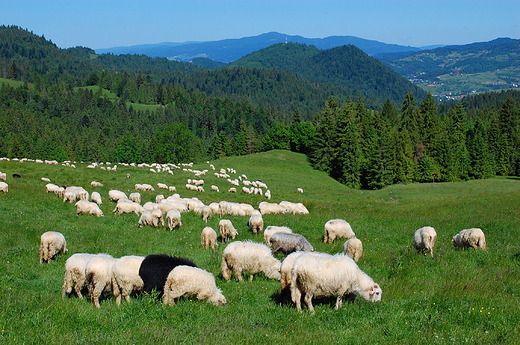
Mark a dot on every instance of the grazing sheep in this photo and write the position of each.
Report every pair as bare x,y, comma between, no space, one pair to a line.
232,190
96,184
98,273
294,208
151,217
173,218
285,270
128,207
125,277
226,228
205,212
256,223
271,208
241,256
214,188
135,197
353,248
155,269
51,188
424,239
299,190
115,195
323,275
271,229
4,187
208,238
192,281
337,228
3,176
289,242
52,243
96,197
87,207
75,273
473,237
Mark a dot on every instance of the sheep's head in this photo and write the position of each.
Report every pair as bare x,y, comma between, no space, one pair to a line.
375,293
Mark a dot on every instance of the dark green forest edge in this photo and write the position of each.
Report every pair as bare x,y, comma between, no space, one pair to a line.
354,118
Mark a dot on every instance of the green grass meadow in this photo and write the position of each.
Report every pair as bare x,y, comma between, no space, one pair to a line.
459,296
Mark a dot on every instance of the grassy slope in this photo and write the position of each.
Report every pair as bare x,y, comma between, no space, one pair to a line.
459,296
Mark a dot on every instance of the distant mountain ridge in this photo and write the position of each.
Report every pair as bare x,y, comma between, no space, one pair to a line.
230,50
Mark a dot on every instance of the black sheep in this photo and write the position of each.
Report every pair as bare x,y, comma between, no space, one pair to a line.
155,269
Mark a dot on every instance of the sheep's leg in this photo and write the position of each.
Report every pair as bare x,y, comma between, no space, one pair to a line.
339,302
296,297
308,301
238,275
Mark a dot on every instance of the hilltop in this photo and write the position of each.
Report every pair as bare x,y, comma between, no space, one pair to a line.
461,70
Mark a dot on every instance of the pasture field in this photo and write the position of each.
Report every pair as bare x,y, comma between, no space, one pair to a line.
459,296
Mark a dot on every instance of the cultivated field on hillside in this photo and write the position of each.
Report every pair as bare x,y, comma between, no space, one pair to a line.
459,296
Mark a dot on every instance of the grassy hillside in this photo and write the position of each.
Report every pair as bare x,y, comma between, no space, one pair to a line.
458,296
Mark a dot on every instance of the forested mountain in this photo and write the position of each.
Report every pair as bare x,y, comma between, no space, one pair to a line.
345,65
233,49
75,105
479,67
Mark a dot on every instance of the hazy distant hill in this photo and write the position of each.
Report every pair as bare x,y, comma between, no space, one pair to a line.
476,67
229,50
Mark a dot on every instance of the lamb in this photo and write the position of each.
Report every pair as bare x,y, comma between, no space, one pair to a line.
128,207
322,275
337,228
208,238
75,273
155,269
87,207
288,243
98,273
173,218
249,256
135,197
125,277
226,228
4,187
256,223
424,239
271,229
52,243
151,217
473,237
354,248
96,197
115,195
192,281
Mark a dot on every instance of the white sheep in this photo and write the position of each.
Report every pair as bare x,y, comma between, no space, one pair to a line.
52,243
232,190
299,190
125,277
271,208
226,229
96,197
424,239
256,223
3,176
286,268
4,187
337,228
51,188
88,207
135,197
173,218
271,229
353,247
214,188
323,275
151,217
249,256
208,238
75,273
162,186
98,273
294,208
128,207
205,212
192,281
473,237
96,184
115,195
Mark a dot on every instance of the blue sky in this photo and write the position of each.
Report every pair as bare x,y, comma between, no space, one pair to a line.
104,24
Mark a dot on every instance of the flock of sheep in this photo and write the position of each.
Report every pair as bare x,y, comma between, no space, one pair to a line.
303,273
